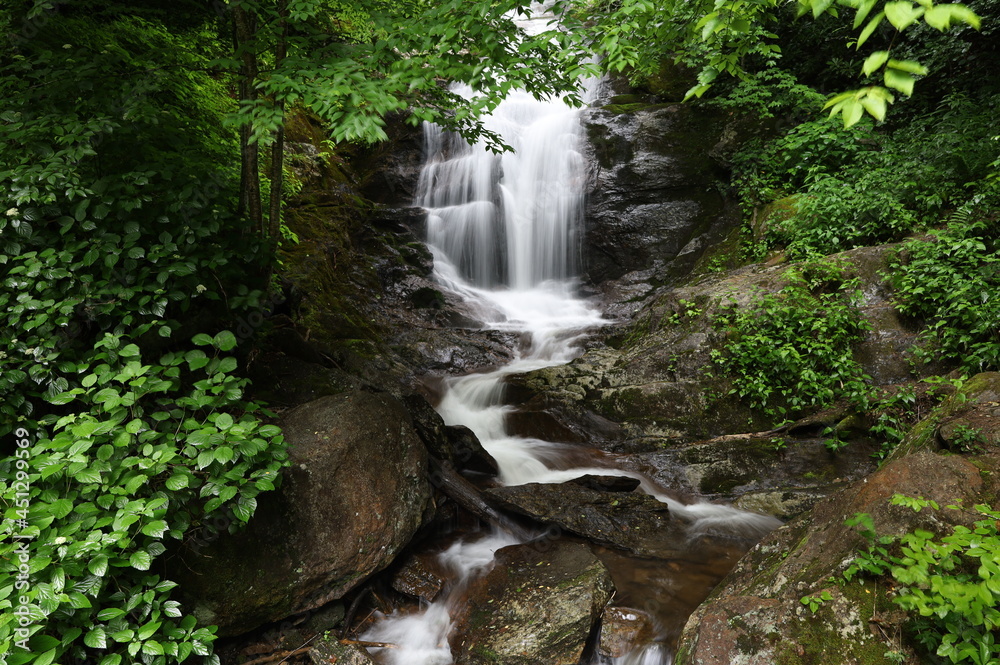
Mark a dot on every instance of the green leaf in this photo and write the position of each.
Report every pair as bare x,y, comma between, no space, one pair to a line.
140,560
201,339
155,529
96,638
874,62
898,80
876,106
902,13
177,481
224,421
129,351
870,28
245,508
225,341
147,631
98,566
46,657
60,508
908,66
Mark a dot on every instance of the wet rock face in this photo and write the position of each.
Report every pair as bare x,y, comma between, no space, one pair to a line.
651,202
352,499
537,606
622,628
632,522
780,475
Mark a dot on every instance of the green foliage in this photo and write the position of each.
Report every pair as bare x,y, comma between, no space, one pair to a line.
793,350
950,280
119,217
135,456
893,414
835,215
968,439
731,36
770,93
949,584
815,602
389,57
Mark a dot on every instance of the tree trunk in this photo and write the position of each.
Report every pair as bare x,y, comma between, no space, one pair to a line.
278,147
244,27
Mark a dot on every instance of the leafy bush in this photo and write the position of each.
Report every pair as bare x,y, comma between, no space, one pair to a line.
141,454
793,350
116,216
836,215
949,584
951,280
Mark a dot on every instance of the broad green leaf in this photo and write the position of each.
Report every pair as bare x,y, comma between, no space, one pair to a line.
225,341
874,62
898,80
696,91
864,8
99,566
177,481
908,66
820,6
223,421
870,28
902,13
60,508
201,339
155,529
875,106
140,560
147,630
46,657
96,638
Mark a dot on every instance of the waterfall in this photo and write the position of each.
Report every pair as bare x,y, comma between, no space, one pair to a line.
513,219
505,231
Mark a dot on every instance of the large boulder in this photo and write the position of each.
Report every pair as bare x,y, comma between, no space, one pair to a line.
633,522
354,495
655,383
757,616
537,606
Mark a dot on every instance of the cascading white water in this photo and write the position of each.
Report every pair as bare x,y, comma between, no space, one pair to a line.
504,231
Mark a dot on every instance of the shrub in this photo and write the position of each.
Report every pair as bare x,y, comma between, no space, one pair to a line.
949,584
137,455
793,350
951,280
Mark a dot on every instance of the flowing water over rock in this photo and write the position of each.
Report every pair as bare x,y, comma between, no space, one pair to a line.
505,233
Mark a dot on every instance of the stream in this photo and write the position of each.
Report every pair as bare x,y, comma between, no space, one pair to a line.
505,231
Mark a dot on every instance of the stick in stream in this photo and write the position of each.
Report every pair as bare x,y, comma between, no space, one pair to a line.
461,491
372,645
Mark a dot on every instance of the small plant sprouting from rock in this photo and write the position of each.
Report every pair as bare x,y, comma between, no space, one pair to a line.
968,439
815,602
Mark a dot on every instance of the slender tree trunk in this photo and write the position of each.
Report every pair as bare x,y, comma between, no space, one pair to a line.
278,147
244,27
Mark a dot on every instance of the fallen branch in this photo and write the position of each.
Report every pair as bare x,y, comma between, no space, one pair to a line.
371,645
279,656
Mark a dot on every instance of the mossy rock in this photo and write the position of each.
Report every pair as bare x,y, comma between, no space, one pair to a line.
761,600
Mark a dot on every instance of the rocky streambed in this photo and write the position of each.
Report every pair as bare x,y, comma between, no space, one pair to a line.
380,485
